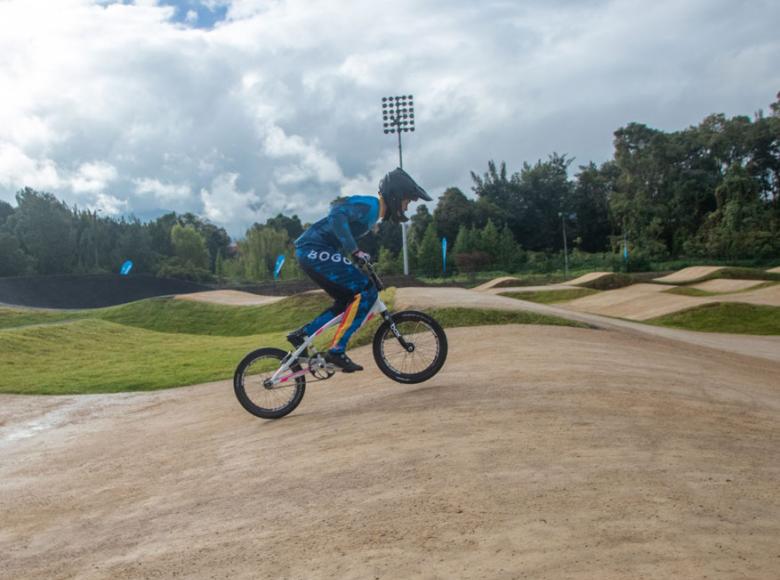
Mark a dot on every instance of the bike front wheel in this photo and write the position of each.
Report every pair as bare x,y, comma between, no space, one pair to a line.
250,382
411,348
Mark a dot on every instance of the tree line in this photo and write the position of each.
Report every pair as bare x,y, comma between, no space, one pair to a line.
708,191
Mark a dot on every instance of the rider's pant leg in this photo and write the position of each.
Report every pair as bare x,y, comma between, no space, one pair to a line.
338,277
353,318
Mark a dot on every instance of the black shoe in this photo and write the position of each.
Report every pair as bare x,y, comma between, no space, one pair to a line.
342,361
297,338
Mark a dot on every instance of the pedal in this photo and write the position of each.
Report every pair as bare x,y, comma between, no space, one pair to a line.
320,369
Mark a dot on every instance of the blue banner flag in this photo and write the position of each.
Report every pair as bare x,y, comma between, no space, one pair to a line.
278,267
126,267
625,252
444,254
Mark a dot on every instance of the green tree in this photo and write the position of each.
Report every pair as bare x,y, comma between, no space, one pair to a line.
465,241
13,261
509,256
189,246
453,211
488,240
420,222
45,230
388,263
429,259
133,242
545,190
528,201
160,232
590,204
219,266
259,251
6,211
292,225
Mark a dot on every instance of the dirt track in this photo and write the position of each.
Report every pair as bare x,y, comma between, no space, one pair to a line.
537,452
689,274
230,298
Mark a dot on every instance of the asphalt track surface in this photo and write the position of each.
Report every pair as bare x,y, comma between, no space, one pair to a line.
537,452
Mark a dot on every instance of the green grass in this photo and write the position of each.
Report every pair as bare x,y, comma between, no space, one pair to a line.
459,317
740,274
690,291
13,317
185,316
732,274
730,317
551,296
95,356
162,343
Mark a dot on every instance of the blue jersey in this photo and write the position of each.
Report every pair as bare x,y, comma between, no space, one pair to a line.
347,221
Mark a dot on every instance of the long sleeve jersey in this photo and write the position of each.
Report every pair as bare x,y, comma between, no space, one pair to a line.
347,221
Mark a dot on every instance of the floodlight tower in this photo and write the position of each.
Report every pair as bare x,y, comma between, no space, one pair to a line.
398,117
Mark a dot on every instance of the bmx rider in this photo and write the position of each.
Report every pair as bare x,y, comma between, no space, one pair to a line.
326,252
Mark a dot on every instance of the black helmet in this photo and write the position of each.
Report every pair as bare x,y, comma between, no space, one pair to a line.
394,188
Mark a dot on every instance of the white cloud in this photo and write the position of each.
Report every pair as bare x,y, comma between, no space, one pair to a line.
93,177
164,192
313,162
224,203
17,170
117,96
109,205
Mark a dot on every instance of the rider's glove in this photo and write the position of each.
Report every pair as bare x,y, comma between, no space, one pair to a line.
361,257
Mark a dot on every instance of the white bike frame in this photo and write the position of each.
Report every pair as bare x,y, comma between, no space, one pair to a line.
279,376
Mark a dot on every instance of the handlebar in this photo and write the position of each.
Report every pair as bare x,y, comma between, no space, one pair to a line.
368,267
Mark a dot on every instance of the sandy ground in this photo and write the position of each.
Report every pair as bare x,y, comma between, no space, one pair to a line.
545,288
491,286
688,274
495,282
589,277
635,302
537,452
230,298
775,270
766,347
646,301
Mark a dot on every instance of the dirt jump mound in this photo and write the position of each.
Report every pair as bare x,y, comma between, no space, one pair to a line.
688,274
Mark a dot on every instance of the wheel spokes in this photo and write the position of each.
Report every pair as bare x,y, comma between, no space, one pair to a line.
426,348
254,379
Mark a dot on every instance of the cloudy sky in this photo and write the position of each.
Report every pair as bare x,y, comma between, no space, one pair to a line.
239,109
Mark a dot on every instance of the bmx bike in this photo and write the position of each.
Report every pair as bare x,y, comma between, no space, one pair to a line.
409,347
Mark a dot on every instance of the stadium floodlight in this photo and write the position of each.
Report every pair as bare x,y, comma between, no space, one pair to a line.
397,118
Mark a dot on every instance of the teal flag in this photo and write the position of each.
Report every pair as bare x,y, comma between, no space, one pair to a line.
279,264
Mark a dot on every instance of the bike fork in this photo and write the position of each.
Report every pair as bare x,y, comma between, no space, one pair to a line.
407,346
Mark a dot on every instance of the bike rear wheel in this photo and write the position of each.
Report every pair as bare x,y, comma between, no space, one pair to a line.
259,399
424,353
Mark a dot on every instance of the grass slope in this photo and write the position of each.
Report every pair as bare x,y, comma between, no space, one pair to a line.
454,317
185,316
690,291
731,317
95,356
730,274
551,296
163,343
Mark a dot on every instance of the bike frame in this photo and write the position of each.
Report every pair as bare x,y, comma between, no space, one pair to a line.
378,308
